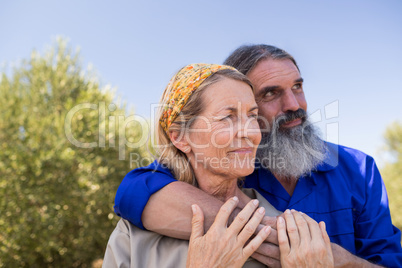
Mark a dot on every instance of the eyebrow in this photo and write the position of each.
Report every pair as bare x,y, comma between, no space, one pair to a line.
253,108
233,109
265,90
299,80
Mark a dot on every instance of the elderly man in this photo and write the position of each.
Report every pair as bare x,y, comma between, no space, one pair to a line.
295,169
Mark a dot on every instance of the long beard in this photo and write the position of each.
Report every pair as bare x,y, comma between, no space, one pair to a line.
291,152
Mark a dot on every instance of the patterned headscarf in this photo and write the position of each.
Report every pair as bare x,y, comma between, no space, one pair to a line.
186,81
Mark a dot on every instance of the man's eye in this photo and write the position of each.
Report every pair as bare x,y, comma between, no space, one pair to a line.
297,87
269,94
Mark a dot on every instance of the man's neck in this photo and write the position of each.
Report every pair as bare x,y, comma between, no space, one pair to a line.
288,183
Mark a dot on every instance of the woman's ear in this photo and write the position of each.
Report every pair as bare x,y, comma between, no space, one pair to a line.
179,141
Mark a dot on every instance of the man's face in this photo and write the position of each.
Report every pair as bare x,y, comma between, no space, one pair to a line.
286,132
278,89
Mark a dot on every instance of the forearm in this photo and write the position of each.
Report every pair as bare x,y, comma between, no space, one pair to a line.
168,211
343,258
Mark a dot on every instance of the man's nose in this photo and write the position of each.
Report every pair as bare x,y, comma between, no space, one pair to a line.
289,102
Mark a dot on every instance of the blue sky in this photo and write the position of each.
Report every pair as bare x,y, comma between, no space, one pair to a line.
349,52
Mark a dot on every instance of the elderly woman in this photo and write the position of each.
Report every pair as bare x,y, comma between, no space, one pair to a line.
208,135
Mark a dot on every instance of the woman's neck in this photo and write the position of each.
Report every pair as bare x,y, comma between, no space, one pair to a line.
221,187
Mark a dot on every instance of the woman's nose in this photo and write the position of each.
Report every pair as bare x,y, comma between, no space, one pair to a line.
248,128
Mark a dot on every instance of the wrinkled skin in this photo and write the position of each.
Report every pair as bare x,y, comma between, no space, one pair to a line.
224,246
306,243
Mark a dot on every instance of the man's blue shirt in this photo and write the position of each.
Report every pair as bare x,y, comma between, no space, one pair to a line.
346,192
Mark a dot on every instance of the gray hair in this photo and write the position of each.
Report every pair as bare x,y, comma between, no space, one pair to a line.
246,57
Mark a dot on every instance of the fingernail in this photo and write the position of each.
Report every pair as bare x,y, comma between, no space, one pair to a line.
194,209
292,210
261,210
287,211
255,202
280,220
235,198
267,229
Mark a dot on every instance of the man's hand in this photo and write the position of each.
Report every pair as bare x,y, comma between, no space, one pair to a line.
271,221
268,253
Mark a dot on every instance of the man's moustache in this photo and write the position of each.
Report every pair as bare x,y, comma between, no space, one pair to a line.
290,116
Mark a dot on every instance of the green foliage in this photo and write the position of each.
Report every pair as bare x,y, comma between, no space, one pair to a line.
392,172
57,198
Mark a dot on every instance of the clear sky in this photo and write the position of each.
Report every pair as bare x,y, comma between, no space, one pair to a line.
349,52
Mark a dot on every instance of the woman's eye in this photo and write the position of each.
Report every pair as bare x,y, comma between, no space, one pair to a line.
227,117
254,115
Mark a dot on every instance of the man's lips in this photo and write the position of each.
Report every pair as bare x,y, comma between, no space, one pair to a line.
293,123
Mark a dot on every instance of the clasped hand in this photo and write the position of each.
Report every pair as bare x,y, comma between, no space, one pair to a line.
224,246
302,241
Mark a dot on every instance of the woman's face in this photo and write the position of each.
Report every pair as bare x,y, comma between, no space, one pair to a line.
224,138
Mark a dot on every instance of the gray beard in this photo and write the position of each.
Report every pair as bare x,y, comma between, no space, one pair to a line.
291,153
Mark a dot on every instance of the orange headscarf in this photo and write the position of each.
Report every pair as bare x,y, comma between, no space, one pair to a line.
186,81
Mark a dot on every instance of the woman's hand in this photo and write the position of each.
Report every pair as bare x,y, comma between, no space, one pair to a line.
308,244
224,246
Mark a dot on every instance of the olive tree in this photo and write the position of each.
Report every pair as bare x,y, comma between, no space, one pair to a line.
392,171
63,153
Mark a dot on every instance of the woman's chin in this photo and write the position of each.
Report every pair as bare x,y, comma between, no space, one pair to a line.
243,172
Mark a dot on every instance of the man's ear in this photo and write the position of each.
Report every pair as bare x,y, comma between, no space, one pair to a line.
179,141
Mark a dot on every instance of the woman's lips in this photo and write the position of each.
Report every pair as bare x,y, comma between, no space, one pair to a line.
243,150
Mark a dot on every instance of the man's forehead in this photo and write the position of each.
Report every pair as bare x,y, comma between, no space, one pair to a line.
271,66
273,70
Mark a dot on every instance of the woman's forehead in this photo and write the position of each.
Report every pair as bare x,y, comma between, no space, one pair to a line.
228,94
